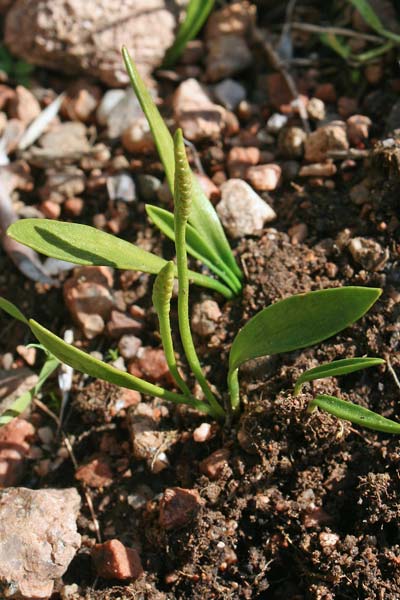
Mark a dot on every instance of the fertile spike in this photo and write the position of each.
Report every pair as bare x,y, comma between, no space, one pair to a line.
183,178
162,288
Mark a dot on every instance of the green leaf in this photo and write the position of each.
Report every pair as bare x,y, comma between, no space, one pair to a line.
372,19
80,361
21,403
300,321
354,413
203,216
335,368
85,245
196,15
12,310
336,44
164,220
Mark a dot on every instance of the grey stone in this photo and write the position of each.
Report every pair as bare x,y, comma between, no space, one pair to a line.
241,210
229,93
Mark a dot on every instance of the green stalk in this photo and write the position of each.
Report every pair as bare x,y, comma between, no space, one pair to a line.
162,292
182,199
233,386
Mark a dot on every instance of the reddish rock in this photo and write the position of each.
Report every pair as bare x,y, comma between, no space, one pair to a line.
73,206
278,91
15,440
209,187
151,364
81,101
88,296
38,538
214,465
240,158
120,324
96,473
50,209
358,127
28,354
264,178
326,92
125,399
113,560
23,105
325,139
178,507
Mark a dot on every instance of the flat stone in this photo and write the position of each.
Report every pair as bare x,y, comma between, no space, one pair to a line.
38,540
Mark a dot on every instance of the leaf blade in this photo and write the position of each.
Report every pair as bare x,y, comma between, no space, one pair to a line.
203,216
12,310
336,368
85,245
196,14
300,321
355,414
164,220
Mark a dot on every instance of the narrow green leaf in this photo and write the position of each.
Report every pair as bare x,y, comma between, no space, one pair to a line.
372,19
336,44
203,216
336,368
85,245
80,361
300,321
354,413
164,220
23,401
12,310
196,15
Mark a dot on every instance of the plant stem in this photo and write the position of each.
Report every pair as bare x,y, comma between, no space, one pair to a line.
182,198
162,292
233,386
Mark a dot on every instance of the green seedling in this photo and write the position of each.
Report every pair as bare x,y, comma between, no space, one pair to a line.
296,322
290,324
196,15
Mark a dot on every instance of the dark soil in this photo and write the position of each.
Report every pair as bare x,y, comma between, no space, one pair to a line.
308,508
